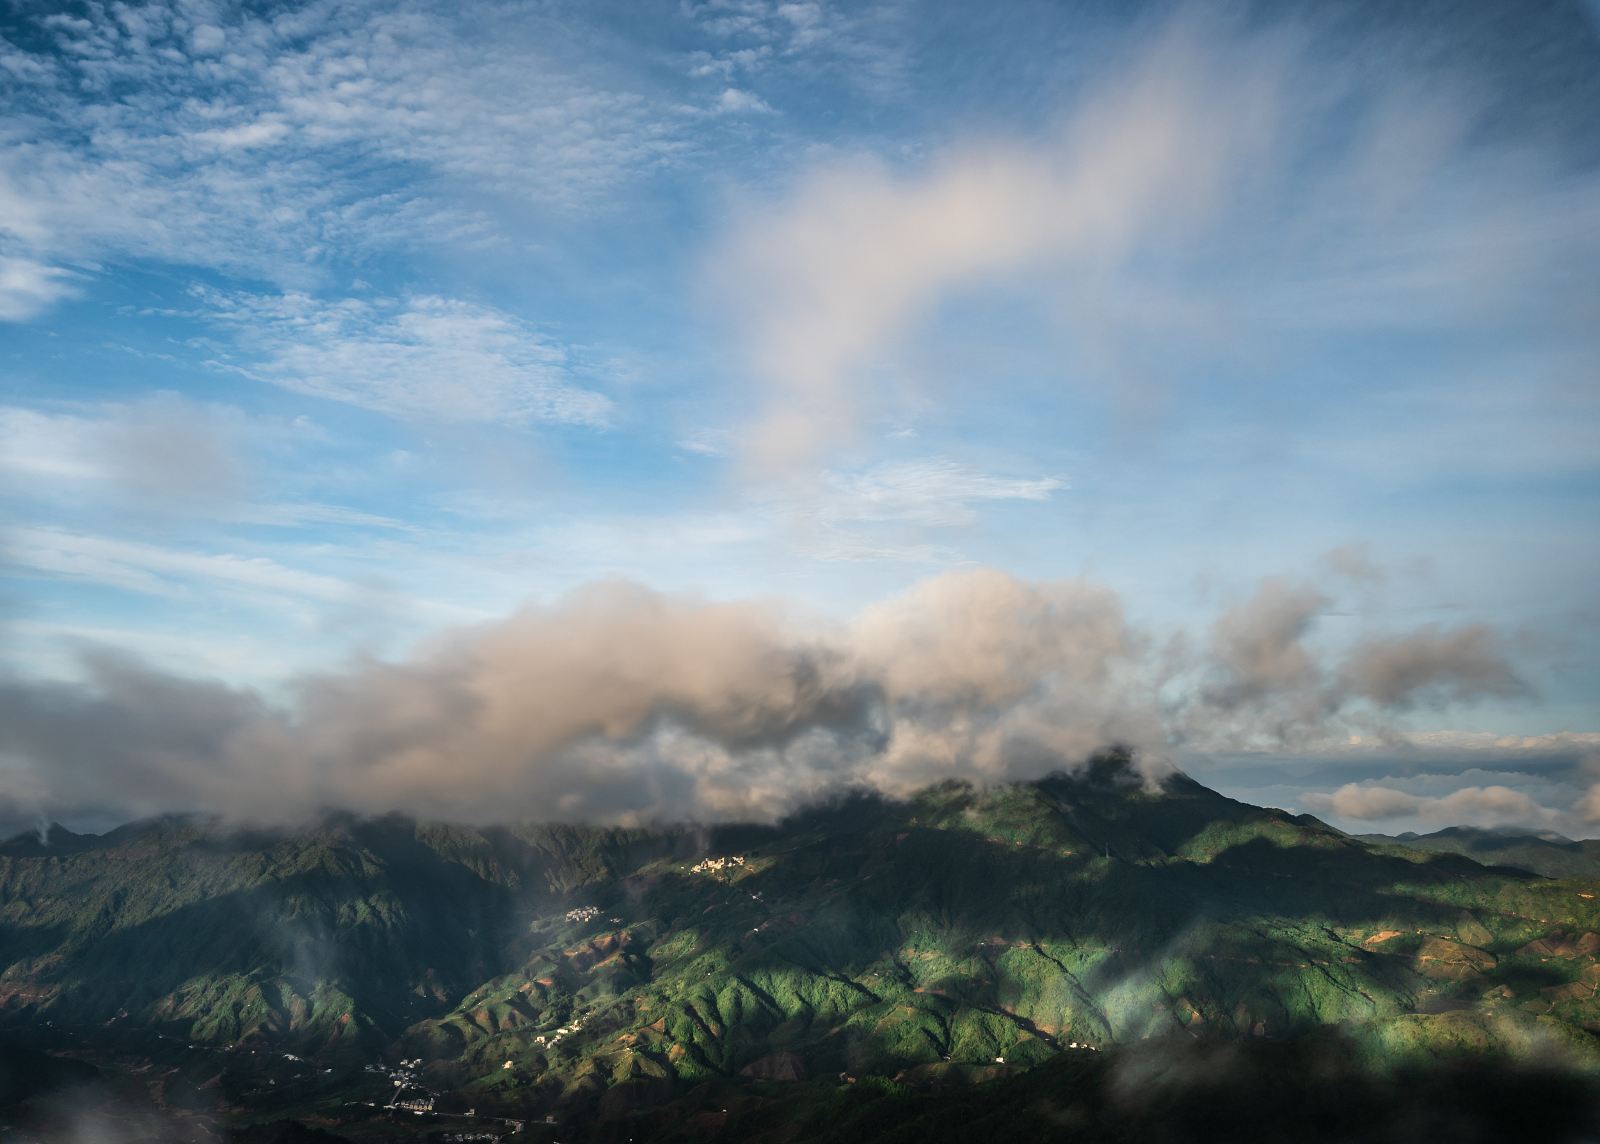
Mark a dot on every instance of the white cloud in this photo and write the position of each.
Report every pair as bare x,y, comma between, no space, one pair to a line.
632,545
937,492
884,512
161,570
1468,806
704,442
616,703
289,139
733,101
741,708
207,39
45,649
51,447
862,46
426,359
258,133
1445,743
1366,802
1190,208
160,452
291,514
163,455
708,65
28,288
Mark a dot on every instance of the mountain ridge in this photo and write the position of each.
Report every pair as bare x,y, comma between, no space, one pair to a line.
1539,852
963,932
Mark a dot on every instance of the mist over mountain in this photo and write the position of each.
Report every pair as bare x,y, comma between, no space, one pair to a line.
624,705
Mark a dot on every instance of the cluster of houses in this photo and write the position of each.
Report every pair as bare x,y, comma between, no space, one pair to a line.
404,1077
553,1039
583,914
717,865
403,1073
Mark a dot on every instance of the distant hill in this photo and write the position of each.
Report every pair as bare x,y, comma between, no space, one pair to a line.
960,935
53,839
1548,854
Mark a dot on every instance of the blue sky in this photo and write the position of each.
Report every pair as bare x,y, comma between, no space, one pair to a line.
334,334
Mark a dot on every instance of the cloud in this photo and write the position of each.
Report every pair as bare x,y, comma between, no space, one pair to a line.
616,703
994,677
1431,665
1588,808
724,64
889,511
1366,802
704,442
863,47
1213,197
1259,645
282,142
734,101
422,358
1266,674
28,288
160,570
207,39
161,453
1473,805
1355,563
166,450
1459,742
934,491
158,459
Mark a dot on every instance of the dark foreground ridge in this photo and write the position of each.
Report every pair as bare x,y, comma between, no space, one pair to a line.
1110,961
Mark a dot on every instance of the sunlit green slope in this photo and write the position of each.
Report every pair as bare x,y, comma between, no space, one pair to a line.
961,933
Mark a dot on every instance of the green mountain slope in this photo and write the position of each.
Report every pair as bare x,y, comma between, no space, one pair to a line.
962,935
343,929
1548,854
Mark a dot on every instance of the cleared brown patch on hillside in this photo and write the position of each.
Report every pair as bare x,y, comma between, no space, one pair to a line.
598,951
1446,960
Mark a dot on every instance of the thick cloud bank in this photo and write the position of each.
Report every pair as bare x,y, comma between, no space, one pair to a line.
622,704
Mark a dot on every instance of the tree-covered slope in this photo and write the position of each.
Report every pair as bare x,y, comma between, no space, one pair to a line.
320,934
961,934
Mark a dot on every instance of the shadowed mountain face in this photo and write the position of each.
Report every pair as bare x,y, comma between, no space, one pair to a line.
1548,854
961,935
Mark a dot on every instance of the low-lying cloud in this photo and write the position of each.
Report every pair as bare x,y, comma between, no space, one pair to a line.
1473,805
623,704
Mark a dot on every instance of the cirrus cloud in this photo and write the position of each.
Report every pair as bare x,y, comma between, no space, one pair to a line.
422,358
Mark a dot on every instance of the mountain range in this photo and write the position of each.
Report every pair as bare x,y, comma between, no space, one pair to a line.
1547,853
1050,939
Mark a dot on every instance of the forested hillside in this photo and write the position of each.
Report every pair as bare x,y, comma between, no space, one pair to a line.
962,935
